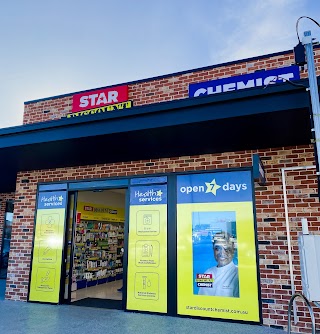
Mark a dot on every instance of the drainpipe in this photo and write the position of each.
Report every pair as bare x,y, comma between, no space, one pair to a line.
284,189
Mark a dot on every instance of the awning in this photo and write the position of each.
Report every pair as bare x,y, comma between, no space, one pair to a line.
250,119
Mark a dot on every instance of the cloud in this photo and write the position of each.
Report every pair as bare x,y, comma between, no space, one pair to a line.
244,29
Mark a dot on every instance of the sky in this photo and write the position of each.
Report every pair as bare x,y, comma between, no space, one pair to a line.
57,47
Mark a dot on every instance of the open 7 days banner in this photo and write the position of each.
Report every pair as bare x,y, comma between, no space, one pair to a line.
217,274
147,262
47,249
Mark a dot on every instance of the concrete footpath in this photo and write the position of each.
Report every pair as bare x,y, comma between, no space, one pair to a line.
30,318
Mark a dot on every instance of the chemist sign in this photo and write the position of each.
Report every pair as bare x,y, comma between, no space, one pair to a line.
256,79
216,247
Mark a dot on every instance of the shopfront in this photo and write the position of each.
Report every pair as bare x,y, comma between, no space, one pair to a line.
81,237
117,191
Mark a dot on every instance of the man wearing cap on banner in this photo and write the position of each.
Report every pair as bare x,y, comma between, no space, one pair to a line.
225,274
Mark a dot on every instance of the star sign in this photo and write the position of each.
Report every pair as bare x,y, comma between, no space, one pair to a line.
212,187
159,193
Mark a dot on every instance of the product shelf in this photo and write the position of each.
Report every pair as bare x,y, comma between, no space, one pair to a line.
101,247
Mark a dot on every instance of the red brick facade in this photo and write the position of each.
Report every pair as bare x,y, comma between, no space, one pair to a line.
273,254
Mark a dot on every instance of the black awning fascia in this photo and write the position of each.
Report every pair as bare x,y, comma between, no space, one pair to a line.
227,105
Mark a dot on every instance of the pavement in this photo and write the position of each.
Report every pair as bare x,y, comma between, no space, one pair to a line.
33,318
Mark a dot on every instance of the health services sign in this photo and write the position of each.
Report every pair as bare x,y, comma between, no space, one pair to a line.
257,79
147,253
48,246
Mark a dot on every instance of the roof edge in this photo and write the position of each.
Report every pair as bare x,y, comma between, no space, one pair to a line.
162,106
165,75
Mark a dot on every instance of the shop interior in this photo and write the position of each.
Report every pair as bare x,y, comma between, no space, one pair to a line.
98,247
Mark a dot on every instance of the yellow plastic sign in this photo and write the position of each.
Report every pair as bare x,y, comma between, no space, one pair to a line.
147,262
90,211
48,246
216,256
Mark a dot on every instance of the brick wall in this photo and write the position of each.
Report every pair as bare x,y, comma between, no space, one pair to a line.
165,89
273,254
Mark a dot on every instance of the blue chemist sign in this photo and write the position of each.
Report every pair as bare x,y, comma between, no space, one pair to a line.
257,79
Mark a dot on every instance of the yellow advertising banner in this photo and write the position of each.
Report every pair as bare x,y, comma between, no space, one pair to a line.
48,246
147,261
216,257
90,211
104,109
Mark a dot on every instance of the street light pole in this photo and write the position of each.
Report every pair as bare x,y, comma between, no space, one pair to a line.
314,93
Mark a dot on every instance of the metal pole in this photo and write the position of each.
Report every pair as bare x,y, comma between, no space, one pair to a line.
314,93
286,212
313,322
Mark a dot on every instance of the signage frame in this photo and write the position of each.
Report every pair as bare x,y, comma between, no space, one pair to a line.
261,78
100,97
157,211
255,242
51,188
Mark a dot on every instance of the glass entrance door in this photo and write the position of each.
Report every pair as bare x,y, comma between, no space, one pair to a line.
6,238
67,279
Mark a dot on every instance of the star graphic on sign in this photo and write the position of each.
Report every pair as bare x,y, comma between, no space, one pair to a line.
60,198
159,193
212,187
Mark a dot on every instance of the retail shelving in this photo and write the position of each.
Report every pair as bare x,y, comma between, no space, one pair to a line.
97,252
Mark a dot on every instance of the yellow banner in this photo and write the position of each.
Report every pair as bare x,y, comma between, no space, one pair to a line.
47,256
147,261
101,110
242,303
90,211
